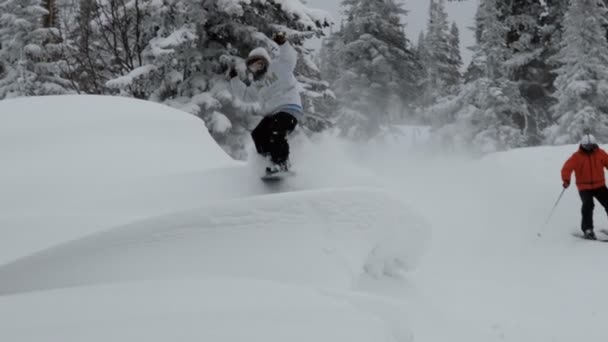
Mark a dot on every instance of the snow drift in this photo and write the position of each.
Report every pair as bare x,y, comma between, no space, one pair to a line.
123,220
325,238
72,165
100,136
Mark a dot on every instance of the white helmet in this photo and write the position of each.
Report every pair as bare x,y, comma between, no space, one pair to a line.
588,142
257,62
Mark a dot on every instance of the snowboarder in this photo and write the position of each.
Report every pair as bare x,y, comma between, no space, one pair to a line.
588,164
275,86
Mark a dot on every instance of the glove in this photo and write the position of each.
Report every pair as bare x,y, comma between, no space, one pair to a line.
566,184
232,74
279,38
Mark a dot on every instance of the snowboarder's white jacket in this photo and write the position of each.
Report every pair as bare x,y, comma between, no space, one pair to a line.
277,91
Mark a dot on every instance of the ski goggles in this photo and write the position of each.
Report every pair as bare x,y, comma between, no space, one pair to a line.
257,65
589,147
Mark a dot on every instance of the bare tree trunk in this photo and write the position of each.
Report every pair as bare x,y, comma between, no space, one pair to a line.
50,19
138,23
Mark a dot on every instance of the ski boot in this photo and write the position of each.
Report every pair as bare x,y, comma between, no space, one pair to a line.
589,234
278,167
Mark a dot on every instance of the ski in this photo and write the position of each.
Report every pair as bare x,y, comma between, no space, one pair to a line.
599,239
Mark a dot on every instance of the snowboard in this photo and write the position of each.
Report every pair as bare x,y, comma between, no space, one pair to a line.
273,177
601,236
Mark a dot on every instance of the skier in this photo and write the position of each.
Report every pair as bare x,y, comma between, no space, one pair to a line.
588,164
275,86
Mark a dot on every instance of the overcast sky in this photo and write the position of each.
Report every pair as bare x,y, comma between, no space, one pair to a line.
460,12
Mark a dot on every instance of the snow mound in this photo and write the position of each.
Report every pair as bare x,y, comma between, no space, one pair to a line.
326,238
210,309
79,136
69,161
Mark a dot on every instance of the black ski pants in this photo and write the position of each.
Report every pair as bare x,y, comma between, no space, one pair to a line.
587,196
270,136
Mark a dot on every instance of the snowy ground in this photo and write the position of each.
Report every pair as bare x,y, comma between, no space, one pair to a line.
121,220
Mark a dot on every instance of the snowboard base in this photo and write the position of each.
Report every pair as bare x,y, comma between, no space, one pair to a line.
277,176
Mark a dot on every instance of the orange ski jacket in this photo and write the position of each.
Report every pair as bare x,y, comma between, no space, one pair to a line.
588,169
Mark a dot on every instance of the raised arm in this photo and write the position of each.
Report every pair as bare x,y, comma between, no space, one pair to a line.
288,56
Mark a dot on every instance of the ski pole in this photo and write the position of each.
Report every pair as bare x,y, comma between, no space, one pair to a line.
552,211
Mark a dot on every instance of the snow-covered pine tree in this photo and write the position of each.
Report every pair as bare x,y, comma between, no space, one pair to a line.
422,54
522,17
67,13
318,99
454,76
492,44
421,49
476,67
551,28
438,47
527,38
582,82
29,51
378,69
329,56
489,114
552,24
179,51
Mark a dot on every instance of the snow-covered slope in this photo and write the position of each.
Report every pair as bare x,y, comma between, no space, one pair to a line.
123,202
70,163
322,238
205,251
487,275
207,309
74,165
99,136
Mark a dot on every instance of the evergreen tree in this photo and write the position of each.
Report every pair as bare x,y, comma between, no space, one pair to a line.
582,86
378,69
439,50
329,56
423,55
489,114
476,68
454,76
421,49
179,52
527,38
67,12
318,99
29,51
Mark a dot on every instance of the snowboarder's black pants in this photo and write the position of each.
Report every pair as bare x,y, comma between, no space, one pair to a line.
270,136
587,197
